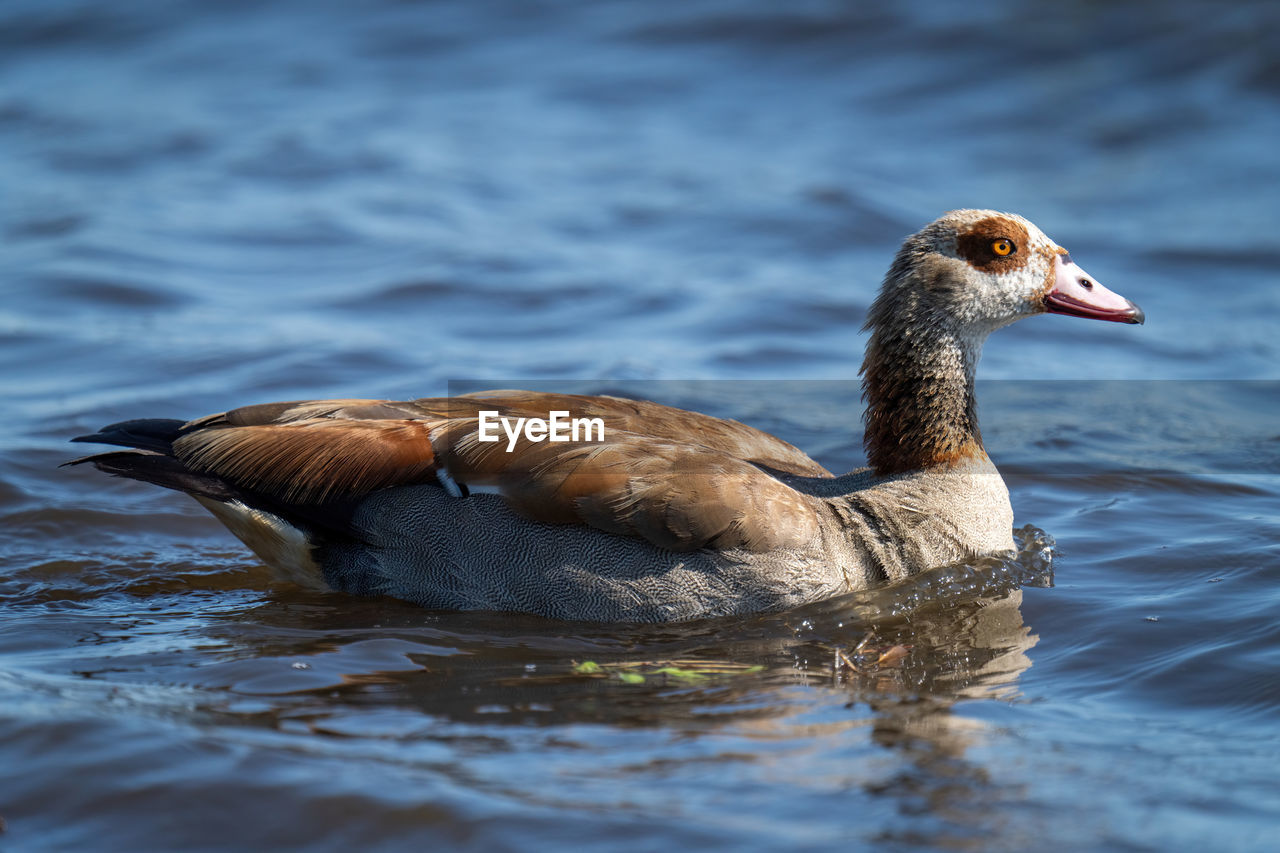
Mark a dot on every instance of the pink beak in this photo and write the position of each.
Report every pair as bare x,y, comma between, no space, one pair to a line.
1077,294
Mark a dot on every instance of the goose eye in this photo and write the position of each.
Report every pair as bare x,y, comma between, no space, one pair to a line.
1002,247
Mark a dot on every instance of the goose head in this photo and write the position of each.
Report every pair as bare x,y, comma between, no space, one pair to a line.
953,283
973,271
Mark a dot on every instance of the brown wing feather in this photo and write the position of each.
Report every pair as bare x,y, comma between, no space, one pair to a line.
639,417
677,496
312,461
677,479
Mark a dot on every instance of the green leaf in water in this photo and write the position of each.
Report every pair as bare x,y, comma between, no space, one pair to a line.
681,674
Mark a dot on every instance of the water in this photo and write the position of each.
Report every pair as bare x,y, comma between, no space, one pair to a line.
204,205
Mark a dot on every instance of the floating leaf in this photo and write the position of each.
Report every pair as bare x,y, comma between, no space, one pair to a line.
681,674
867,658
892,656
687,671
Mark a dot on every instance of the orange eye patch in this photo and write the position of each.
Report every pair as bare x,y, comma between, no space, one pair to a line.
997,244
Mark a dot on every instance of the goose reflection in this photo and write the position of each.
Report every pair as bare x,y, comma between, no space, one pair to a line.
493,705
961,626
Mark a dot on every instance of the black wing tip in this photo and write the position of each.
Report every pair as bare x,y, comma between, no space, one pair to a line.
80,460
154,434
158,469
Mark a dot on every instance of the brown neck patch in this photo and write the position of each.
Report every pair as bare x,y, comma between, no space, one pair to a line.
921,410
978,245
912,425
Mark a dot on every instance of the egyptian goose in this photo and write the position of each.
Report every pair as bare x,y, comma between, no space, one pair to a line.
667,515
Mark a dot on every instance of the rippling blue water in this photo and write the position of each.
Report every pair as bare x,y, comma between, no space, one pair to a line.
204,205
